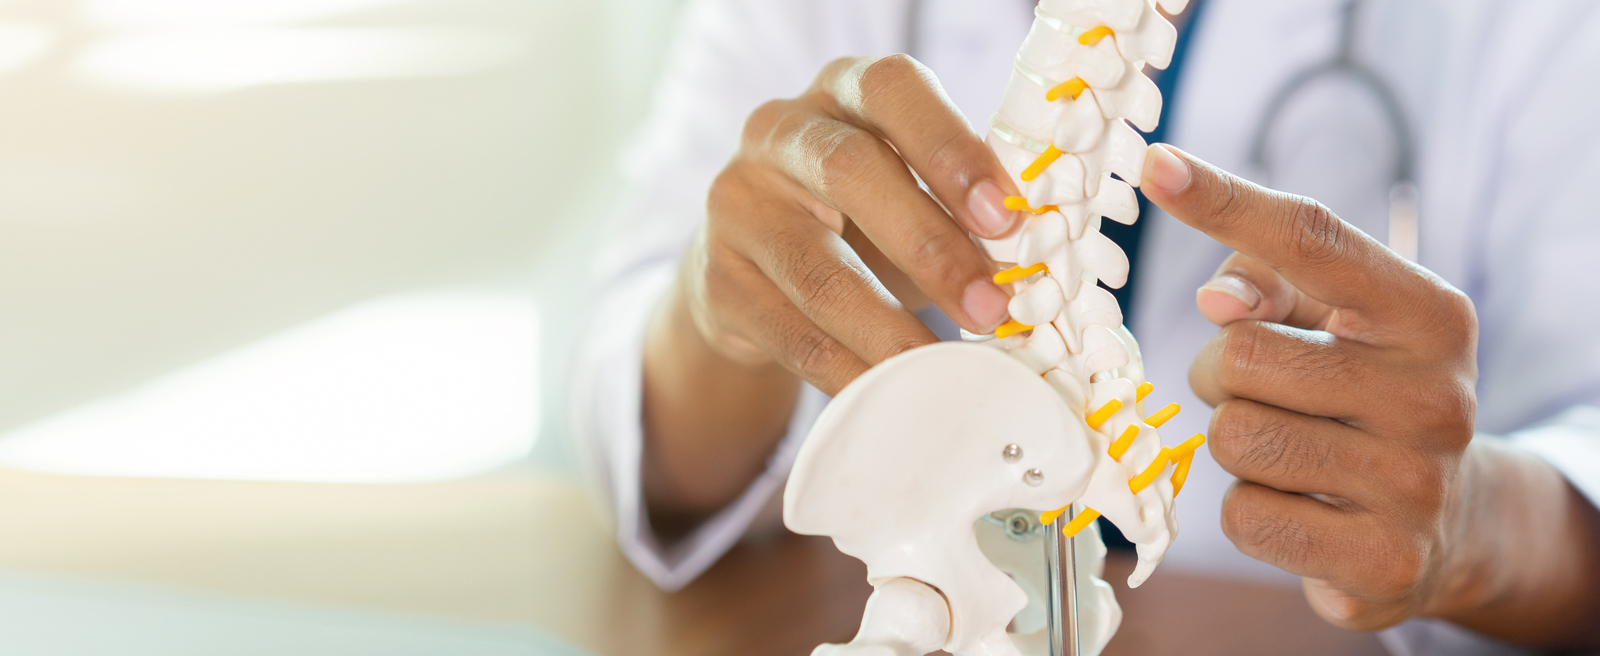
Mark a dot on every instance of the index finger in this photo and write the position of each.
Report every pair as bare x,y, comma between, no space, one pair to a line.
1311,247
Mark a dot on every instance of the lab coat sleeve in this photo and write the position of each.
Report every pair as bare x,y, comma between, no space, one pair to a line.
729,56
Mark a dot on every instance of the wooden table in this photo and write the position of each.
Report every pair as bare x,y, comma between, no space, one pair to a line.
526,549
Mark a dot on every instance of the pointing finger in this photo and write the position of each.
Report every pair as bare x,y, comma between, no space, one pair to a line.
1313,249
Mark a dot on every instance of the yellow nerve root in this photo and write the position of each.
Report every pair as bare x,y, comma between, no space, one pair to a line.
1020,204
1093,37
1070,89
1188,447
1161,416
1144,391
1082,521
1183,455
1120,446
1100,416
1150,473
1011,328
1186,457
1016,273
1038,166
1181,474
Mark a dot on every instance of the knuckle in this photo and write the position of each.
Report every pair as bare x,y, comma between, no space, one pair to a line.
882,80
1315,234
1230,202
1278,539
936,252
846,156
1240,343
958,159
1440,407
719,271
1395,565
1457,325
1236,516
901,343
811,352
824,286
1319,362
1300,358
764,121
1419,482
1270,446
726,192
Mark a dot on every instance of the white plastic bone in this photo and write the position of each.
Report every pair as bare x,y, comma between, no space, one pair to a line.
1116,15
1173,7
1037,302
1045,240
1056,57
910,454
1151,41
1116,201
1148,519
1072,390
1102,351
1121,151
1043,350
1091,306
1100,257
1061,185
1136,99
903,616
1026,110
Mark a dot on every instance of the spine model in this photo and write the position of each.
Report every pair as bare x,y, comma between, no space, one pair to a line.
909,457
1063,132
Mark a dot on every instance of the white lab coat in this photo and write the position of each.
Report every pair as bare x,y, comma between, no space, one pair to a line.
1501,96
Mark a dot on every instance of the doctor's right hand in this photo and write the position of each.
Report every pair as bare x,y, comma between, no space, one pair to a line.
818,245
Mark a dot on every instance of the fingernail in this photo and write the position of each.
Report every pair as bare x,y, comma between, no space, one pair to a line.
1165,170
985,303
988,206
1240,289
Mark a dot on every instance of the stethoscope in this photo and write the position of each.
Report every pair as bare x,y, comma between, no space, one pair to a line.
1403,221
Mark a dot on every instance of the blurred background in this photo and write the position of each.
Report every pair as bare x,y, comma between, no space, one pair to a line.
284,292
251,216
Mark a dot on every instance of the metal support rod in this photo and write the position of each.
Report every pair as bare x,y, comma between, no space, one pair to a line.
1062,560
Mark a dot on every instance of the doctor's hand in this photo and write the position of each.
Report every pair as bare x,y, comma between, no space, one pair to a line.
817,247
1343,379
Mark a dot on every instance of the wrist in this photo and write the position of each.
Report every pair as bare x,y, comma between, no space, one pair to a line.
709,421
1466,579
1520,557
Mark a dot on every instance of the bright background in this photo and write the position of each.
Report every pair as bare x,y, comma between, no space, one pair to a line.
303,240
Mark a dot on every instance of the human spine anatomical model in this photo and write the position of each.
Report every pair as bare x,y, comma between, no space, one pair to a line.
1061,132
1049,412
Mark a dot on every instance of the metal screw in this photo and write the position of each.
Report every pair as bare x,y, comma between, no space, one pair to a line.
1012,453
1033,477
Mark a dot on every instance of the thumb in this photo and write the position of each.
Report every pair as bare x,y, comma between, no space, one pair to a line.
1244,289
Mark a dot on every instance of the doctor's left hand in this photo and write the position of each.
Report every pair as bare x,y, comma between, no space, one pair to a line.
1343,378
